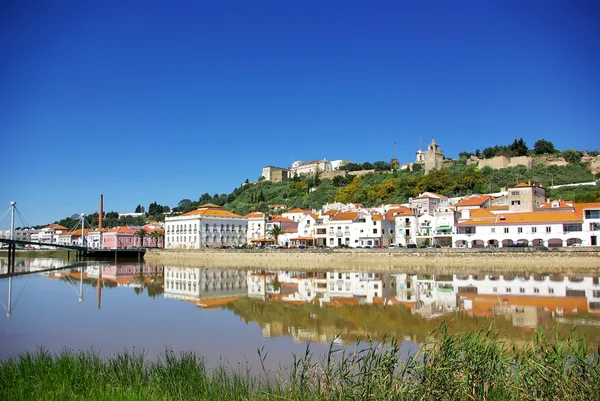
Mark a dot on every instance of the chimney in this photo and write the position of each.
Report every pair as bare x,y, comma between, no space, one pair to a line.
101,212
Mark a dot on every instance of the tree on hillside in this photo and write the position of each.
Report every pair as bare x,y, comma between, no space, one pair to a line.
543,146
184,202
138,209
518,148
351,167
572,156
275,231
382,166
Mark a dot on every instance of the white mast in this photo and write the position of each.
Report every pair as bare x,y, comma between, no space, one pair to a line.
12,219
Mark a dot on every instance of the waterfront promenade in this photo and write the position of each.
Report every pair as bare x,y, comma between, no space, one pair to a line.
474,260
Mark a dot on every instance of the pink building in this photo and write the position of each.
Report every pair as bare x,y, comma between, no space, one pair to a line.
127,237
119,238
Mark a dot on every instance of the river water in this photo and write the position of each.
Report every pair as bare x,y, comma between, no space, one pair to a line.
226,315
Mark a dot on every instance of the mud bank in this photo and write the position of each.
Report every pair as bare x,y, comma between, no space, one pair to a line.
513,260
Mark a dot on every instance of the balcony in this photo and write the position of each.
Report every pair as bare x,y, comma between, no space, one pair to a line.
339,234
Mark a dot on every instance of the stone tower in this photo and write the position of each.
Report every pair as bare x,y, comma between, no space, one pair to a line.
434,157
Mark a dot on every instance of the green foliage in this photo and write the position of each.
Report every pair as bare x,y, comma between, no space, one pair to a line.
517,148
543,146
275,231
581,194
572,156
477,365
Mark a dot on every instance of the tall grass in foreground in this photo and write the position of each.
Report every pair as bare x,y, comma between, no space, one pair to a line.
466,366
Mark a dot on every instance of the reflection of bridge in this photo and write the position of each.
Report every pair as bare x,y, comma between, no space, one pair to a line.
81,251
12,247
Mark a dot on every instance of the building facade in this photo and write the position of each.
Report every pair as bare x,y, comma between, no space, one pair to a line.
209,226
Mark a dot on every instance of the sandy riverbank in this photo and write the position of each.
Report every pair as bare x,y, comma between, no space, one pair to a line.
530,260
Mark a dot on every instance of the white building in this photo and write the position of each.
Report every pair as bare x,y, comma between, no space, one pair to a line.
49,234
257,227
359,229
406,225
480,228
311,167
428,202
208,226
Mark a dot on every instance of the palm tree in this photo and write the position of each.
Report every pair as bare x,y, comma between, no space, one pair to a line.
275,232
157,236
141,233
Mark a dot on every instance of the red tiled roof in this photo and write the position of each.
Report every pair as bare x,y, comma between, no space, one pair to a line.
255,215
345,216
476,200
212,210
297,210
280,219
581,207
290,230
559,205
399,211
57,227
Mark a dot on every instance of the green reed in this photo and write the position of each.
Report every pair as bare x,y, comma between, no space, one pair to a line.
464,366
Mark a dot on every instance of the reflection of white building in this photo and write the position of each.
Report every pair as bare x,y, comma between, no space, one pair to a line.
193,283
432,295
260,284
363,286
508,295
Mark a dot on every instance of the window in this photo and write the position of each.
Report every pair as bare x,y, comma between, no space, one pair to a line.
505,230
520,230
536,290
522,290
534,230
493,230
374,223
550,290
374,231
515,203
548,230
514,193
495,289
508,289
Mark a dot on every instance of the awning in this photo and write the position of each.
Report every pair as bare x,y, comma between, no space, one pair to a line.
443,228
263,240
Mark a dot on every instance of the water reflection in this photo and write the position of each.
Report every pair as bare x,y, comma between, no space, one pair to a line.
322,307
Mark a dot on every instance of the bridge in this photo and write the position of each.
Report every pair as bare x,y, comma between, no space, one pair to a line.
81,251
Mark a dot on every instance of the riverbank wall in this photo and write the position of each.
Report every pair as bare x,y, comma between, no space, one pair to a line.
476,260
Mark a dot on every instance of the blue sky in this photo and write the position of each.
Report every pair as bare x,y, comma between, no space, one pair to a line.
160,101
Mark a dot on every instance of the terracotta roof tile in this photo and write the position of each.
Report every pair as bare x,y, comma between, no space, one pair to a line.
477,200
297,210
280,219
342,216
255,215
581,207
212,212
